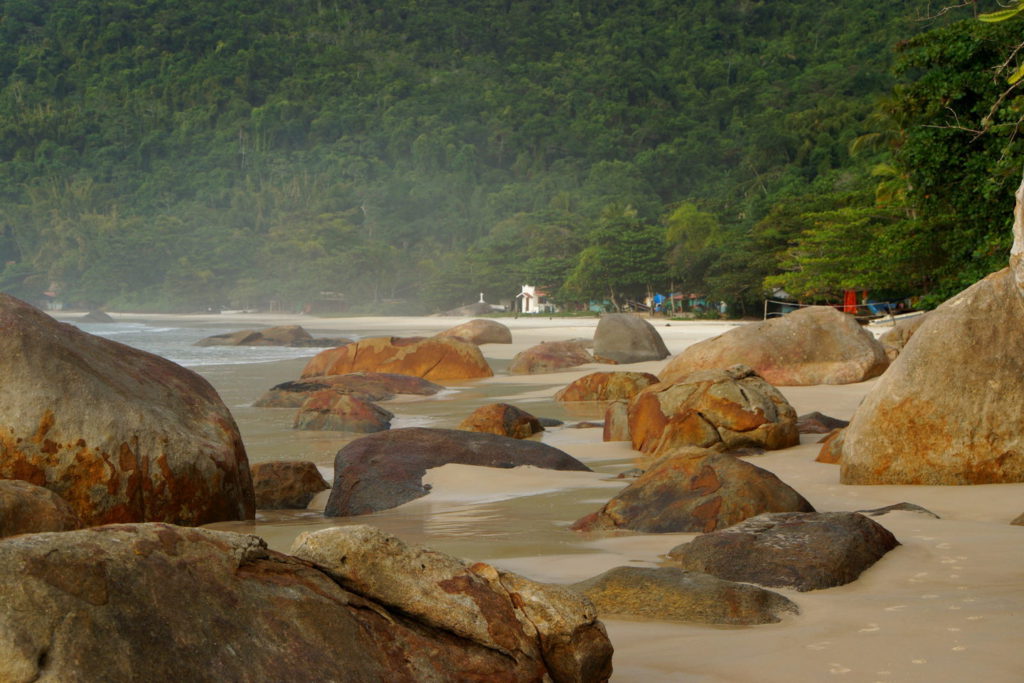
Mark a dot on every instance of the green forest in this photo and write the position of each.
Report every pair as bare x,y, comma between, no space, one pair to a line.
411,154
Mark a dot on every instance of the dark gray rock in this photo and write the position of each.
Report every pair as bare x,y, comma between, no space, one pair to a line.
627,338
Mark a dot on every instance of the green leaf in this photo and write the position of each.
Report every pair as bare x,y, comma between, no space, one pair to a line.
1001,15
1016,75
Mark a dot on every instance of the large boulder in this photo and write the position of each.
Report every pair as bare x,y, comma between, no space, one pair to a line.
328,411
370,386
480,332
386,469
800,550
694,490
434,358
286,484
948,410
550,357
502,419
284,335
626,338
154,602
814,345
120,434
733,407
606,386
680,595
96,317
522,619
27,509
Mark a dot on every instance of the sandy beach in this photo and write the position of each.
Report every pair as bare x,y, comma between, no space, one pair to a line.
944,606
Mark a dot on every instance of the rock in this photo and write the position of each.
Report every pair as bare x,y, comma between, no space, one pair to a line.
285,335
480,332
369,386
549,422
895,339
586,424
899,507
814,345
627,338
118,433
616,422
694,490
286,484
733,407
550,357
816,423
96,317
1019,520
680,595
801,550
384,470
28,509
436,358
606,386
154,602
502,419
948,410
831,452
522,619
321,342
328,411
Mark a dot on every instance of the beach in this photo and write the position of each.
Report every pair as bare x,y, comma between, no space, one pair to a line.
943,606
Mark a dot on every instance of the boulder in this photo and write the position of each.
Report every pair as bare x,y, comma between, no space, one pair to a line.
817,423
502,419
626,338
96,317
384,470
436,358
694,490
286,484
550,357
895,339
285,335
814,345
369,386
948,410
328,411
616,422
680,595
801,550
118,433
27,509
154,602
831,452
1019,520
606,386
480,332
733,407
519,618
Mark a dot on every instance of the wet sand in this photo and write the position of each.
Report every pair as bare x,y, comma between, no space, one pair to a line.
944,606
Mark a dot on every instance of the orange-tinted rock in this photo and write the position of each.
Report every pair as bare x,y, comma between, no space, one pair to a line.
814,345
435,358
328,411
286,484
370,386
118,433
606,386
29,509
831,452
480,332
694,490
616,422
550,357
502,419
733,407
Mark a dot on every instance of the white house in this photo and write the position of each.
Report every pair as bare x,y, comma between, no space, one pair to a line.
533,300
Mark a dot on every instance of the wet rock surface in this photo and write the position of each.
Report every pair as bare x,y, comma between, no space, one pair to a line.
286,484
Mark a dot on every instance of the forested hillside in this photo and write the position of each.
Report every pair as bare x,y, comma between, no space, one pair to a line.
183,155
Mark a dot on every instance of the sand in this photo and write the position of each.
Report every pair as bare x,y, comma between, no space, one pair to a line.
946,605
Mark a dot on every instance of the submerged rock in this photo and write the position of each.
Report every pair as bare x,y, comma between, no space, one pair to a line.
502,419
433,358
28,509
817,423
284,335
328,411
370,386
626,338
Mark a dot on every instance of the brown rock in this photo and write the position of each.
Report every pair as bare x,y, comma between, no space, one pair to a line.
948,410
384,470
285,335
1019,520
522,619
153,602
814,345
550,357
895,339
606,386
680,595
817,423
805,551
369,386
480,332
627,338
831,452
28,509
328,411
694,490
119,434
286,484
436,358
616,422
502,419
733,407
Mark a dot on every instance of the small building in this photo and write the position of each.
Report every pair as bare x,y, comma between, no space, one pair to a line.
533,300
